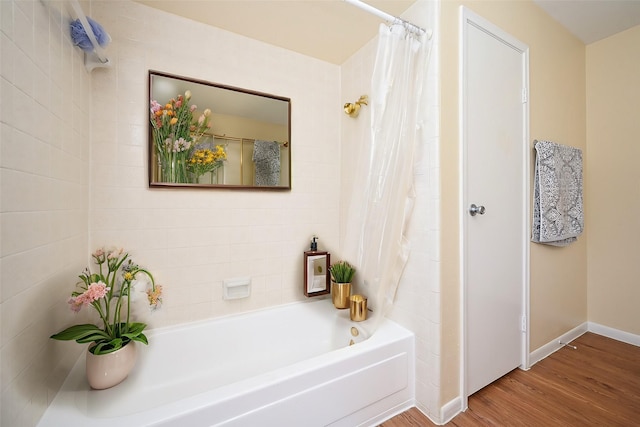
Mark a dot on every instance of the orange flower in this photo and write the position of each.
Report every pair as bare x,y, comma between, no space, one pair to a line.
155,296
174,121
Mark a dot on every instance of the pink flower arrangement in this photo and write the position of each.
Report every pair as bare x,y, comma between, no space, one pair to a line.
93,293
109,292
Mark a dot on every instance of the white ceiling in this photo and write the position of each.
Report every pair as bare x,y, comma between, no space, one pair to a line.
332,30
593,20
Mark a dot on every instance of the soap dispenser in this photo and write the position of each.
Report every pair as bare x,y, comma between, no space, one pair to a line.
317,278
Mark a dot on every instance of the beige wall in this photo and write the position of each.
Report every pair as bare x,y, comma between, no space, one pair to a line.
242,127
557,108
613,126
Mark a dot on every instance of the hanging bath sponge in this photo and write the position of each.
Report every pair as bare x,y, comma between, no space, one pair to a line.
80,38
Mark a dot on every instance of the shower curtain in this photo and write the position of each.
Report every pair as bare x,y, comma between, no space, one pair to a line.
384,195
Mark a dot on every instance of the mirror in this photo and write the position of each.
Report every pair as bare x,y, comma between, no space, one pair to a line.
317,278
204,134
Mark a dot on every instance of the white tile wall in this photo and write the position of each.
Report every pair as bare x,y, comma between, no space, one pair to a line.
417,304
44,182
193,240
62,128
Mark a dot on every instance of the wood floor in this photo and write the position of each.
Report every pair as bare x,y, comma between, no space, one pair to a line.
596,385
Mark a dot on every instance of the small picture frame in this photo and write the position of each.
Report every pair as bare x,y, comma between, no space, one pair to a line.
317,278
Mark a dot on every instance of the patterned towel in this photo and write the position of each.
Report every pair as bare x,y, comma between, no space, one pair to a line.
266,157
557,200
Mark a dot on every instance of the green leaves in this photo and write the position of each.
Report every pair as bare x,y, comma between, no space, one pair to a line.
81,333
135,328
107,347
105,343
141,338
135,332
342,272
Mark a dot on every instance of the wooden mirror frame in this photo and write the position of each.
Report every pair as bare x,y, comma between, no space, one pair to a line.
265,101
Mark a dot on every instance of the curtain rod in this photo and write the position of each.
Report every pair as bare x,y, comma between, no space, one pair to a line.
285,144
386,16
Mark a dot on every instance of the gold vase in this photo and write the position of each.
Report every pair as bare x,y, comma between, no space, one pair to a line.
358,308
108,370
340,293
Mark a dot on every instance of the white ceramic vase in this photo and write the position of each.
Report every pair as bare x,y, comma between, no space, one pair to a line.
107,370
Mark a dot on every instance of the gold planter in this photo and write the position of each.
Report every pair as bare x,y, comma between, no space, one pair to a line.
340,293
358,308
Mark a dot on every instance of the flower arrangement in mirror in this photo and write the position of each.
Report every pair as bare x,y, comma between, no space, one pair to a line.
175,137
342,272
206,160
109,292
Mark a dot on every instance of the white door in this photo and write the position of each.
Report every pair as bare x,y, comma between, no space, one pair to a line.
495,176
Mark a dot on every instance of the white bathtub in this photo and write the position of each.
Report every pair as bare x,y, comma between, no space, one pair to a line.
286,366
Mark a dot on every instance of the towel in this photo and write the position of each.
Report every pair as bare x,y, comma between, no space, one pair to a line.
266,157
557,201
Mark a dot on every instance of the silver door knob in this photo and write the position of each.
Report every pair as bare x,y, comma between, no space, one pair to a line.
473,210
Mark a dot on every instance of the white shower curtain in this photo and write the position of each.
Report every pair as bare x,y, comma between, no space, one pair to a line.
384,194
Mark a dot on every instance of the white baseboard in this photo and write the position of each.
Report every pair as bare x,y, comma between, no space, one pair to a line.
615,334
388,414
447,412
554,345
450,410
596,328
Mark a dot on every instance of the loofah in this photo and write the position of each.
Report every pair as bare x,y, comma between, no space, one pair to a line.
80,38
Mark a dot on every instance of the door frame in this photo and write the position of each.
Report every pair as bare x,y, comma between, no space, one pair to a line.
467,17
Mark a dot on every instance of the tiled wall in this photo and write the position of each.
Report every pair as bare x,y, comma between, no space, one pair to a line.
418,301
51,109
194,239
417,304
44,181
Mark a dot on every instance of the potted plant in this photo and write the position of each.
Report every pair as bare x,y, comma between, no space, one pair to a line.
109,292
341,276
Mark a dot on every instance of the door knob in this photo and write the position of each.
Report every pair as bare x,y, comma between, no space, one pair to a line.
473,210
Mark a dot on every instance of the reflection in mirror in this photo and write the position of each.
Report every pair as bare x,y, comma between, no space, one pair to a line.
208,135
317,280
